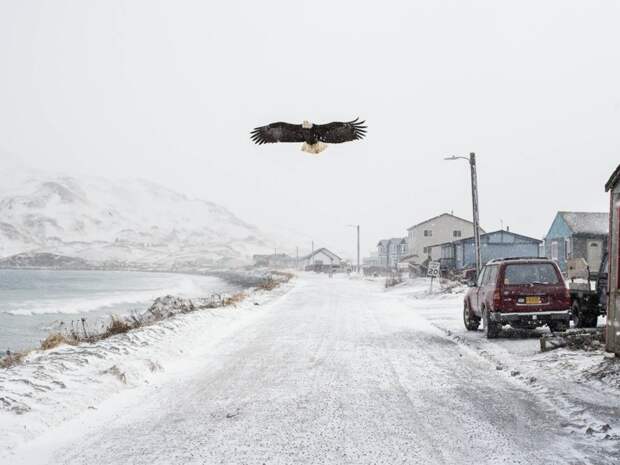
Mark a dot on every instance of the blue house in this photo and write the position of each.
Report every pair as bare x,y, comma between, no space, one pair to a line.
578,235
497,244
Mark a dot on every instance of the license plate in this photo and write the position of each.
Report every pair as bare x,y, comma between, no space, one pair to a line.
532,300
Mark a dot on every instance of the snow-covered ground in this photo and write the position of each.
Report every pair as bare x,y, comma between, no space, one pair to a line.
333,371
586,384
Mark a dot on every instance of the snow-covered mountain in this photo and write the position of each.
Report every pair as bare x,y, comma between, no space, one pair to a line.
120,223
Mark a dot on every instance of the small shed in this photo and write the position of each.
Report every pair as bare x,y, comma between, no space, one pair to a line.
613,305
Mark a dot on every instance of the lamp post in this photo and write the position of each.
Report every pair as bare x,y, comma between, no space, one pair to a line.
357,227
474,199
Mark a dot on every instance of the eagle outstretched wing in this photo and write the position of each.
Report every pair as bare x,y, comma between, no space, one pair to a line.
277,132
338,132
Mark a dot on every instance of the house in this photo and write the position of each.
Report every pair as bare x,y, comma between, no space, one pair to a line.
321,260
578,235
613,304
390,251
437,230
461,254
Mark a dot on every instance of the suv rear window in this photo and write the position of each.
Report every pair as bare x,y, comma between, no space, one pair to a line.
530,273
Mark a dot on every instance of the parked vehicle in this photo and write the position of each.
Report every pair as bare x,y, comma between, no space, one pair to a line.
523,292
588,292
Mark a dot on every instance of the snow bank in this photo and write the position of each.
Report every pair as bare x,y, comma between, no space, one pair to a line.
53,386
583,384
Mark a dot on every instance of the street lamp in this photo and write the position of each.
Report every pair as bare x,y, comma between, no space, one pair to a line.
474,199
357,226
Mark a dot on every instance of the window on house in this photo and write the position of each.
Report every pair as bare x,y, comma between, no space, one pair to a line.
567,249
554,250
426,250
456,233
428,232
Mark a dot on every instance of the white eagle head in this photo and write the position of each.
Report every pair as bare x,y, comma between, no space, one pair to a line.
306,124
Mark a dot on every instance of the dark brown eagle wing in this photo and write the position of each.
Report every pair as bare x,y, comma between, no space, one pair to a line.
277,132
338,132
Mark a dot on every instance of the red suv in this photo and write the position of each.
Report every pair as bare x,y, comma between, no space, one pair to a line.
522,292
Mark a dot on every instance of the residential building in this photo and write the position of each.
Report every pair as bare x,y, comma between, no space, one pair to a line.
461,254
578,235
390,251
613,304
321,259
437,230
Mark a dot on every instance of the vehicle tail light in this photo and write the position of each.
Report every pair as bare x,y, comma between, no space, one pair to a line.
497,299
566,295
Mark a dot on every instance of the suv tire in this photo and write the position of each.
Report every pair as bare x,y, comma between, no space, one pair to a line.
472,323
491,329
581,320
559,326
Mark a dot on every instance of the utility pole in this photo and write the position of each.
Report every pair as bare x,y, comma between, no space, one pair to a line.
474,200
357,227
358,249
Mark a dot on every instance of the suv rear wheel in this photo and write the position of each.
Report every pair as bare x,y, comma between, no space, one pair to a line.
559,326
581,320
491,329
472,323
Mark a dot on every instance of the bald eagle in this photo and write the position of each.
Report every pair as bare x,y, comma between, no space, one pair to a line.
315,137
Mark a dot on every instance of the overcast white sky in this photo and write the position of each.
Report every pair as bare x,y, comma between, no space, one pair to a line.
169,90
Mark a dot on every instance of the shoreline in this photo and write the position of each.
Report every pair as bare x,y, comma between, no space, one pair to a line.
231,284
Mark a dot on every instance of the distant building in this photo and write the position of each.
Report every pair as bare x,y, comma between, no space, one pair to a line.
578,235
371,260
390,251
321,259
497,244
280,260
437,230
613,304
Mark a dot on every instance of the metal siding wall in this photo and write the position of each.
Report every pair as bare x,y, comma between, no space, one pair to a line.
492,251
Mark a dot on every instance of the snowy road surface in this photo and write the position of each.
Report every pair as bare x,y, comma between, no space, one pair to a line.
337,371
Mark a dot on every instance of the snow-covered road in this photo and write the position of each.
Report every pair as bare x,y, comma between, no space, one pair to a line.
336,371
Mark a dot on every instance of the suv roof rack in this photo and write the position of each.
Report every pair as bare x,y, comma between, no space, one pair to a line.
507,259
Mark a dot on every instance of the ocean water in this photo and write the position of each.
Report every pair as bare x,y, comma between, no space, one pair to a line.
35,302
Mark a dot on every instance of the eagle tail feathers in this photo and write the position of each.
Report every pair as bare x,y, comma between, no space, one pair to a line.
313,148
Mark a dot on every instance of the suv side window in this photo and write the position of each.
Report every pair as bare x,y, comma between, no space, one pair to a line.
481,277
490,277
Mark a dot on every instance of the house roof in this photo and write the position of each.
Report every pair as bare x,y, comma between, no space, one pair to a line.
470,238
594,223
394,240
325,251
613,180
439,216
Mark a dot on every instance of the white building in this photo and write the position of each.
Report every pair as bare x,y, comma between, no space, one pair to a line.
443,228
320,258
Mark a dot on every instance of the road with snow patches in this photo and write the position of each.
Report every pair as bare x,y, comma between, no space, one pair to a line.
336,371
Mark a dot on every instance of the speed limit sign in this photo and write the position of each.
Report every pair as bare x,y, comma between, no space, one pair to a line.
433,270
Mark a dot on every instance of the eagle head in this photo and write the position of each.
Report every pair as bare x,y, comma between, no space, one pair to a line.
306,124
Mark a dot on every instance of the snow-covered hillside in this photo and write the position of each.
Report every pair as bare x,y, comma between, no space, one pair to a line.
120,223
